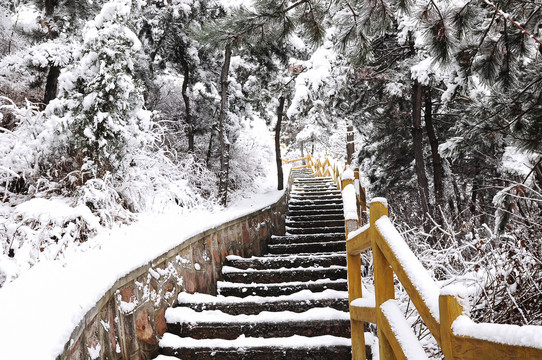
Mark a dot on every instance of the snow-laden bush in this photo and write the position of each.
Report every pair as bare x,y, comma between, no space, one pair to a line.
21,151
40,229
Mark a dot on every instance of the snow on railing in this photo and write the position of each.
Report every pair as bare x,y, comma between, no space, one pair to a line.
440,309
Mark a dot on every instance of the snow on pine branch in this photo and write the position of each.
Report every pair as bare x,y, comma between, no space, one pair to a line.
515,23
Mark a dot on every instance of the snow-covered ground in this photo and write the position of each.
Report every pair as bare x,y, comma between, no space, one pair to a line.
40,309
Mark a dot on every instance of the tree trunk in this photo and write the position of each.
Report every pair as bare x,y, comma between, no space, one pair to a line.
210,149
280,114
302,152
187,109
474,199
433,142
49,6
51,87
417,139
349,144
224,163
538,170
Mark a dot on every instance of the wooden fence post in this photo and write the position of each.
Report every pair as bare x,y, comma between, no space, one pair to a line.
353,263
449,310
309,162
383,276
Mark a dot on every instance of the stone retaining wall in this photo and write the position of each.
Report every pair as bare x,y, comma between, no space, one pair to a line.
129,319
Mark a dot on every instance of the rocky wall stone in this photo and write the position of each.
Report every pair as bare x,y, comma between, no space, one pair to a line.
129,320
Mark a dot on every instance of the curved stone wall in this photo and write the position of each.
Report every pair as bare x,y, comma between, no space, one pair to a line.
129,319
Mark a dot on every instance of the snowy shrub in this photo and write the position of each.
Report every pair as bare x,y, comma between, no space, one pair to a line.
34,61
156,182
99,196
21,151
40,229
501,272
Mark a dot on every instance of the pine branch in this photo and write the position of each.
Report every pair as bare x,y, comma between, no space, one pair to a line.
354,14
291,7
507,17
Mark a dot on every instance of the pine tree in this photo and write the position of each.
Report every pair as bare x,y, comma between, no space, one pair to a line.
261,30
98,115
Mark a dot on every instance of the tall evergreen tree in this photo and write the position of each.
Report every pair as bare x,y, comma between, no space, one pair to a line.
99,116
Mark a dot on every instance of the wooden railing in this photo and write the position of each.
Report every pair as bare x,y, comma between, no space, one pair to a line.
443,311
440,309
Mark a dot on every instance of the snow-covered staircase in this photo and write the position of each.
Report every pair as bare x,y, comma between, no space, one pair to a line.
289,304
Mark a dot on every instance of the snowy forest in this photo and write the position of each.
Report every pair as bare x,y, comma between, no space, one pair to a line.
110,109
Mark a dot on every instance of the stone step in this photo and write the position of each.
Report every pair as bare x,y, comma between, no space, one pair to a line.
315,217
304,211
267,324
313,187
330,207
297,248
324,217
314,223
250,305
270,276
313,182
307,238
297,185
314,230
315,195
277,289
316,202
296,347
314,179
274,262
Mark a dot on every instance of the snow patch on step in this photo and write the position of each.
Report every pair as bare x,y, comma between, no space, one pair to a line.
185,315
229,285
285,257
313,235
311,254
234,270
288,245
296,341
303,295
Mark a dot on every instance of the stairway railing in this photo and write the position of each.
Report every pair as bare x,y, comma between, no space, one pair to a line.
444,311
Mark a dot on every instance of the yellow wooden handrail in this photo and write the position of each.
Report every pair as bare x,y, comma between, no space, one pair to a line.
438,311
287,161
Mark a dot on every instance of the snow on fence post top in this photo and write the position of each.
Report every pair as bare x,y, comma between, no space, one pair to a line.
381,200
348,174
349,201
